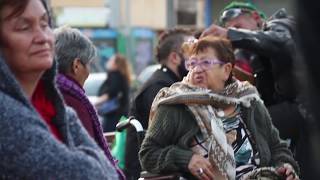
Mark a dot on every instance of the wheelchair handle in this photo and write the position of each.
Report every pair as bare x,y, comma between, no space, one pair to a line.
123,125
130,121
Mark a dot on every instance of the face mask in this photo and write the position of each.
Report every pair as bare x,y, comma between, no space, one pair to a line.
182,68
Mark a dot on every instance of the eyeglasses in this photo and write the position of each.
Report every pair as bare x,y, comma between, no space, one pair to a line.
205,64
231,13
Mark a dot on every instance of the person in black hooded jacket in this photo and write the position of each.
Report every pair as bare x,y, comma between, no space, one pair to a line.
172,69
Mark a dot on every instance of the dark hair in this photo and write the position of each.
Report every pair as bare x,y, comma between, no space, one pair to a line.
197,34
169,41
222,47
19,6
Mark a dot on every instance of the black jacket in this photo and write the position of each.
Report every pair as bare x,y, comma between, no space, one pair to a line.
272,57
275,80
116,85
140,108
273,67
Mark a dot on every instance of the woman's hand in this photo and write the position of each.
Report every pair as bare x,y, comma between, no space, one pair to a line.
287,171
200,167
188,78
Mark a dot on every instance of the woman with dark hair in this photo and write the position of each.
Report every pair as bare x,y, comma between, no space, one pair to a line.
40,138
211,126
116,86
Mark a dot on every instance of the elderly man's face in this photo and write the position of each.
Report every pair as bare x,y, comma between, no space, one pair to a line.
244,21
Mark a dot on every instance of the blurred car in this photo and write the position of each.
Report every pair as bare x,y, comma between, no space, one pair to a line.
95,80
92,85
147,72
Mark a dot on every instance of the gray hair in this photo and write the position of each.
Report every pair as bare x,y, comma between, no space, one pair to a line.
71,44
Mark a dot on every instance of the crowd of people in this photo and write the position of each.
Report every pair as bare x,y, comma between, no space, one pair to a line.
225,103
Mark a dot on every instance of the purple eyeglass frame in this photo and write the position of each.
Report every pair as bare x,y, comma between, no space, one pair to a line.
211,61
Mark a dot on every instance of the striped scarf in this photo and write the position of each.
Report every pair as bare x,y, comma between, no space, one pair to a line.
204,105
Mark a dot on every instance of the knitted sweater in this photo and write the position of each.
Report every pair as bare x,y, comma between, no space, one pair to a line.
28,150
166,147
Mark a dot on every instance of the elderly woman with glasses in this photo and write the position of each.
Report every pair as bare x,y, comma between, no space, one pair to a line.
211,126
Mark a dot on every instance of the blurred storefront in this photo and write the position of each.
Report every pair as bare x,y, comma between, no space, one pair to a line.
131,27
106,41
93,19
126,26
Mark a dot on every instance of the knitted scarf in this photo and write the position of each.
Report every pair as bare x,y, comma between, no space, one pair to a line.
204,105
72,88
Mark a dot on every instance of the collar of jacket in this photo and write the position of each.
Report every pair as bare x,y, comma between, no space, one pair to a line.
11,87
167,70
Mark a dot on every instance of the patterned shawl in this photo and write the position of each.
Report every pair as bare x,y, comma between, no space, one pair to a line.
204,104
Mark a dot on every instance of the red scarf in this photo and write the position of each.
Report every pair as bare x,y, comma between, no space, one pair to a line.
45,108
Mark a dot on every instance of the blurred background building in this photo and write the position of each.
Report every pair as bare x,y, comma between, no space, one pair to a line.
130,27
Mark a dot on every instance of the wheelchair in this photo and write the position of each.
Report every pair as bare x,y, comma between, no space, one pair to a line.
144,175
264,173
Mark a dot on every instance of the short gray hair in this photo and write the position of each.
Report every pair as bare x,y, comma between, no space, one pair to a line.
70,44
